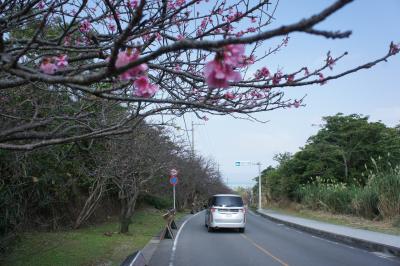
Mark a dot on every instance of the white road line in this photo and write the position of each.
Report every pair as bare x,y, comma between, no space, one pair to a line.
171,260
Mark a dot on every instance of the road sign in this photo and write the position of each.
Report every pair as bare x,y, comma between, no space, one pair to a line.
173,172
243,163
173,180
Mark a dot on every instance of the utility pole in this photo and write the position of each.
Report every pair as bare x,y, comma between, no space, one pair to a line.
192,130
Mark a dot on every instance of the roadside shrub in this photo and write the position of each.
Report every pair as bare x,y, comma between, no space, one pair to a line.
379,197
387,186
365,202
157,202
328,195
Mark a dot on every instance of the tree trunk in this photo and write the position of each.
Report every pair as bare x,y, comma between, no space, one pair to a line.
127,209
346,169
124,225
91,203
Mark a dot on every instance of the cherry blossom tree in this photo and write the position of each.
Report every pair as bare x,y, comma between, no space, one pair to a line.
78,69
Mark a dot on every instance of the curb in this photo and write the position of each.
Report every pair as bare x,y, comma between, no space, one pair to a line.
150,248
352,241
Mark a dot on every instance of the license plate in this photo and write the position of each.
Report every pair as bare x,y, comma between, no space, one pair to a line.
228,215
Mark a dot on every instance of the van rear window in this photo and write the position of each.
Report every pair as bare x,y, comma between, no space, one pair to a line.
227,201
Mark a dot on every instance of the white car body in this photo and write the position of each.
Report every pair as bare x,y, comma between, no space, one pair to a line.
225,211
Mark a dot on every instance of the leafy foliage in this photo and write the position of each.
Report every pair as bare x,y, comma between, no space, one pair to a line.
333,170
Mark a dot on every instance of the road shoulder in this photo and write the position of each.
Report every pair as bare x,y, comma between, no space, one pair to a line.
371,241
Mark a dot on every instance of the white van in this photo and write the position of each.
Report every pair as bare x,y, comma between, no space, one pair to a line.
225,211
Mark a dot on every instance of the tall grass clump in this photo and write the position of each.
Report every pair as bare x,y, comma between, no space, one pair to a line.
387,186
365,203
379,198
328,195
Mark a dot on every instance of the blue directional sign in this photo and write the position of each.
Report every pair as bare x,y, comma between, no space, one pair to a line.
173,180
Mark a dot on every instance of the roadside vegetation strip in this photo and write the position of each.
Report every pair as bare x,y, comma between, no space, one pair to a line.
265,251
384,226
100,244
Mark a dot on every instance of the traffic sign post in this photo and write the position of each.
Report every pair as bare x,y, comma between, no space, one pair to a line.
173,172
173,180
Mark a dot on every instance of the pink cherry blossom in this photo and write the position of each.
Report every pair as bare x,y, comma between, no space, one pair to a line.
330,62
262,73
394,48
67,40
248,60
126,57
229,95
41,5
218,74
321,79
296,104
290,78
85,26
111,27
277,78
61,61
177,67
144,88
47,67
133,4
233,54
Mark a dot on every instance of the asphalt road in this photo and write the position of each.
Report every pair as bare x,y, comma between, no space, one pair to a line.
263,243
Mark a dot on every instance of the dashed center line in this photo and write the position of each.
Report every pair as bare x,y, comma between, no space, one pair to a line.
264,250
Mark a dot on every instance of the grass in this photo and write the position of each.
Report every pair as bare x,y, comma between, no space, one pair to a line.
87,246
385,226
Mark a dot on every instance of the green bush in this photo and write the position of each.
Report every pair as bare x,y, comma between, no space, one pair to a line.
157,202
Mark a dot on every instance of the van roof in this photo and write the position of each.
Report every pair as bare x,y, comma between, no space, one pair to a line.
230,195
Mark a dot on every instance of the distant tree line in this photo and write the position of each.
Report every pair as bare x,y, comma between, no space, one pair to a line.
350,166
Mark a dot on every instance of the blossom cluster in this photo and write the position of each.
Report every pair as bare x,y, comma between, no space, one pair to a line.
140,80
51,65
137,73
220,71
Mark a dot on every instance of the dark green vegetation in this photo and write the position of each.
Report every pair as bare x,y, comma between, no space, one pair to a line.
81,183
87,246
351,166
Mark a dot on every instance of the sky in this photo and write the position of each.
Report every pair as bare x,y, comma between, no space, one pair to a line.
374,92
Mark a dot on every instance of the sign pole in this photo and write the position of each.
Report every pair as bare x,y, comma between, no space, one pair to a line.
173,188
259,186
173,180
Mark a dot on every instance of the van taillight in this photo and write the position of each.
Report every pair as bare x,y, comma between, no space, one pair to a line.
213,209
